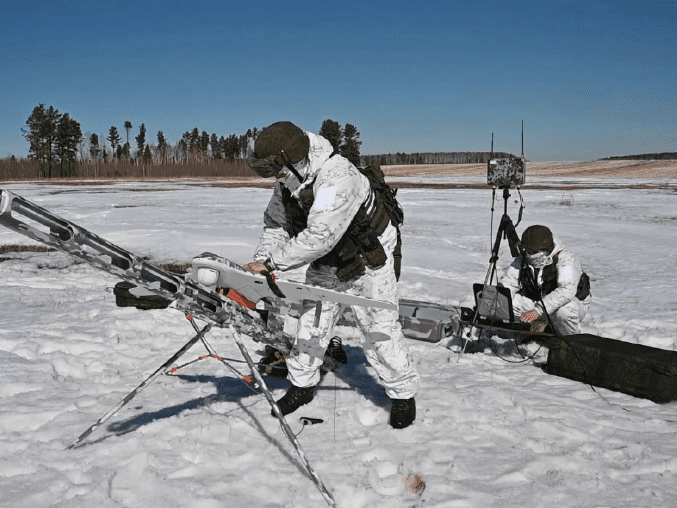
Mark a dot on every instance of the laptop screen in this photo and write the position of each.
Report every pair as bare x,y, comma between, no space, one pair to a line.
493,303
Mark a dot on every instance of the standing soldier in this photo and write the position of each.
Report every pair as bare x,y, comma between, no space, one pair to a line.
324,213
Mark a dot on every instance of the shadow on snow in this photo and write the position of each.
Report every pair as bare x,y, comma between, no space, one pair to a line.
229,389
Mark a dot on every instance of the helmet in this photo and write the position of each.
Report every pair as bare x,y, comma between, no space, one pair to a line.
537,238
280,144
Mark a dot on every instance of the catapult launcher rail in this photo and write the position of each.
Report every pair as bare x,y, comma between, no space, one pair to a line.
33,221
37,223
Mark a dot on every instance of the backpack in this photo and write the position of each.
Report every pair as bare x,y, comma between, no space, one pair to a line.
388,196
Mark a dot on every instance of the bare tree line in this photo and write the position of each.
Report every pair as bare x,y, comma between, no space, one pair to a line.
12,168
58,149
398,159
644,156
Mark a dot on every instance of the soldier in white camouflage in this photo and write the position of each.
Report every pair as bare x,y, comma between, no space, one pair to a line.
324,213
547,283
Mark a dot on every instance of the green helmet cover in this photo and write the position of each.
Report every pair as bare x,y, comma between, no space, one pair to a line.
537,238
279,138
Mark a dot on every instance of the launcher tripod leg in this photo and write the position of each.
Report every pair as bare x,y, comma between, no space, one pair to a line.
138,389
252,385
283,423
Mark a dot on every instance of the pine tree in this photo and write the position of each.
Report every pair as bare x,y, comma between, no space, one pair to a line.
68,137
232,146
216,146
41,135
114,139
183,149
351,145
141,140
203,144
126,151
94,147
194,141
331,131
128,127
147,155
162,146
222,147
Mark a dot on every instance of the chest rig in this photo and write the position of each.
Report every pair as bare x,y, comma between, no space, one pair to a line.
530,287
358,248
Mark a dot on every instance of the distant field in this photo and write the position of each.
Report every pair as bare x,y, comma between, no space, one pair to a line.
595,169
639,169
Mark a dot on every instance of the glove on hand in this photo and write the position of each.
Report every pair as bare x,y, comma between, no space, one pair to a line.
265,268
529,316
261,266
256,267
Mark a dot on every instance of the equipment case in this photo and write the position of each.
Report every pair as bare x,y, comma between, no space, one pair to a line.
427,321
634,369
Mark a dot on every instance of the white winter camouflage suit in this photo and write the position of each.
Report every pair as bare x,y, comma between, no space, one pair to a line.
339,190
565,310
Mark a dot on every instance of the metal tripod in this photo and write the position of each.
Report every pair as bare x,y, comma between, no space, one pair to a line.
259,384
506,229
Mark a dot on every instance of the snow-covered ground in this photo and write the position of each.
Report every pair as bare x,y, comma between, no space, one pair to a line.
488,432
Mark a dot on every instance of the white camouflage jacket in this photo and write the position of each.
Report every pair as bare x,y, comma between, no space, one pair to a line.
339,190
569,273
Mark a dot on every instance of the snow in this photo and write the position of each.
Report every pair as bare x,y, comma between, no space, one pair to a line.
488,432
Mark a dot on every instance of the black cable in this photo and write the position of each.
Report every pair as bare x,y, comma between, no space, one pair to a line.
561,338
519,214
524,358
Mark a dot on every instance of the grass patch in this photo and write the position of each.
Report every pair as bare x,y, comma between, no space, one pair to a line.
567,200
176,268
5,249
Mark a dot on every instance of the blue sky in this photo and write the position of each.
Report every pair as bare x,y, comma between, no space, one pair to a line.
589,78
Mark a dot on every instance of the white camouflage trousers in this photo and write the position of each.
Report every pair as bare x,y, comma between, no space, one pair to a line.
566,319
383,341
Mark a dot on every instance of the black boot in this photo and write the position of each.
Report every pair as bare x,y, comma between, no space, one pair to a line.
274,363
294,399
403,413
335,350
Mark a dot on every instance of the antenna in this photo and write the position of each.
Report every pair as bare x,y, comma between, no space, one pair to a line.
506,172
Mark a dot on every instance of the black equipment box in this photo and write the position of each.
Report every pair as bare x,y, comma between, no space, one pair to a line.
641,371
124,298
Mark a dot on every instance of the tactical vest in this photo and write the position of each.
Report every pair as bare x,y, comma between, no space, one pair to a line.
530,287
359,247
